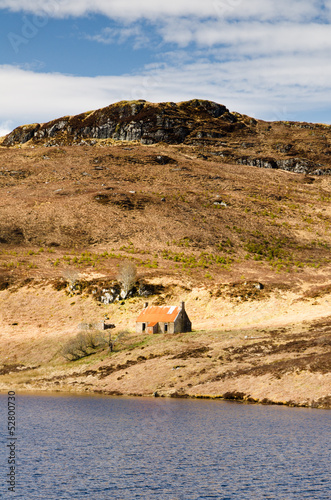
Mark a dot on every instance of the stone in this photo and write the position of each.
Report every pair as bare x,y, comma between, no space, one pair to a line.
296,165
107,298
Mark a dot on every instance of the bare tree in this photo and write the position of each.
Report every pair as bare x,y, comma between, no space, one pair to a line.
127,276
116,340
72,277
89,342
84,344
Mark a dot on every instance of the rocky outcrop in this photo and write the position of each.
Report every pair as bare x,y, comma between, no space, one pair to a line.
134,121
104,292
296,165
21,134
198,123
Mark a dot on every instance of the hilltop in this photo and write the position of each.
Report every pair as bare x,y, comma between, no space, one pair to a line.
293,146
228,212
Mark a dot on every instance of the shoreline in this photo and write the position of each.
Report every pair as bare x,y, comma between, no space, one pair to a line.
230,398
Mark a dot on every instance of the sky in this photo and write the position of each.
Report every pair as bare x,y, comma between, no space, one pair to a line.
270,59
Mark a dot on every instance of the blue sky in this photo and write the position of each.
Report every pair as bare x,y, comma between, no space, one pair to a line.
266,58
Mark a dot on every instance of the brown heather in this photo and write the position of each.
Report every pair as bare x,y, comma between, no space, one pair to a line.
200,226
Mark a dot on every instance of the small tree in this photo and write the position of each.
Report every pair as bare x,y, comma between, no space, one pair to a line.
116,340
88,342
72,277
127,276
84,344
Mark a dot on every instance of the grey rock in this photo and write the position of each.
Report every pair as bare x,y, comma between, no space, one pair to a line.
107,298
296,165
130,121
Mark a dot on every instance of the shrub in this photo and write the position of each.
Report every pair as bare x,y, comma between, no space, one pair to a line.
84,344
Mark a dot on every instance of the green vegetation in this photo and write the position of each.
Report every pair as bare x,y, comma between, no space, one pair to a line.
87,258
283,253
204,260
267,249
12,264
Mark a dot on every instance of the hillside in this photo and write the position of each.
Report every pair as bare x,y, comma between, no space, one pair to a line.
228,212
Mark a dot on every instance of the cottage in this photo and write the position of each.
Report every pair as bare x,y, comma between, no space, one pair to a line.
163,319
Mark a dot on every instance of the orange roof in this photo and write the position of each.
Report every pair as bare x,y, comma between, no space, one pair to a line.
154,314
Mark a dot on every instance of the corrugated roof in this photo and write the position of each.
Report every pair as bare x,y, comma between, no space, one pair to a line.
154,314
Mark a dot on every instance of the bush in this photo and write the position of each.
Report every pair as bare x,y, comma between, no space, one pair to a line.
89,341
84,344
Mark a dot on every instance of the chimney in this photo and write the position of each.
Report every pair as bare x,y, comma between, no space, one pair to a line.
182,306
146,305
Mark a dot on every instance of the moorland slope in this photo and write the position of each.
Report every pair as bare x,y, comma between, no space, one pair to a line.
229,213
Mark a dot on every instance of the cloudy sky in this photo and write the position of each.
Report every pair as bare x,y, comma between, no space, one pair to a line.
267,58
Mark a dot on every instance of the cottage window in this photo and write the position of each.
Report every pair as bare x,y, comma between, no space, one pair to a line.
165,327
144,327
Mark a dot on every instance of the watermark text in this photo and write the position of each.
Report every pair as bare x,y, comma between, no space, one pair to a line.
11,442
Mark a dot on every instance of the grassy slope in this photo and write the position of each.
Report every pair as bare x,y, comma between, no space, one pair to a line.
60,213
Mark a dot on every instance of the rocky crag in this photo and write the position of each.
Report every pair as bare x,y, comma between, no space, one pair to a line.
136,121
233,137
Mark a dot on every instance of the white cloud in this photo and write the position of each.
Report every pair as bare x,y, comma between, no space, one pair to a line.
5,127
271,10
283,88
28,96
249,38
120,35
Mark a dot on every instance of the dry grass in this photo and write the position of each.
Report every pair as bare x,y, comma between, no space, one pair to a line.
63,213
87,209
262,350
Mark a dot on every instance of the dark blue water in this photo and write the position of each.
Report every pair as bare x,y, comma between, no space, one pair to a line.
72,447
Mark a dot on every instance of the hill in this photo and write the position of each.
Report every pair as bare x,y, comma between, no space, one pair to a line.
293,146
229,212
